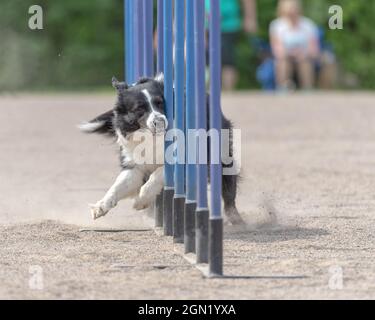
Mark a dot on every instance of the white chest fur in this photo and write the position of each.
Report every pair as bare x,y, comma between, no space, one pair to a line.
142,149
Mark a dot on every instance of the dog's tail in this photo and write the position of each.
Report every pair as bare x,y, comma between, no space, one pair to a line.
102,124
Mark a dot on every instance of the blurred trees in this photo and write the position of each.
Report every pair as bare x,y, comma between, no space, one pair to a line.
81,45
355,44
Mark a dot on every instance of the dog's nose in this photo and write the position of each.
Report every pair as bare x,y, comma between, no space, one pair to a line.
160,123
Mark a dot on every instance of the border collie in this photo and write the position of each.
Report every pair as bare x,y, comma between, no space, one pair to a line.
140,108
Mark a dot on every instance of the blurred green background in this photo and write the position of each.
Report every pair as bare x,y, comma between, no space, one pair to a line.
81,45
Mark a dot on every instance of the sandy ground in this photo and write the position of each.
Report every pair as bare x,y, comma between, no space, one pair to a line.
308,159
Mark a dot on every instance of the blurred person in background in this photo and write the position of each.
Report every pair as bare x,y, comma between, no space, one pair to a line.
295,46
232,22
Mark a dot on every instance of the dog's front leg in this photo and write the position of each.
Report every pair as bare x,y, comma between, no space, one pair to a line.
150,190
127,183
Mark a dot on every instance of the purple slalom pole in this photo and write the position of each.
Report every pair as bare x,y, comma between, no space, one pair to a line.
191,172
160,36
130,46
138,36
216,219
179,121
127,41
168,194
158,212
201,113
148,47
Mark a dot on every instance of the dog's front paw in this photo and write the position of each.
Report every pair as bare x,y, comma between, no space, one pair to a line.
97,210
141,203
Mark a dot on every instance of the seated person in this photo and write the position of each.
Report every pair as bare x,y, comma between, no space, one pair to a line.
232,22
295,46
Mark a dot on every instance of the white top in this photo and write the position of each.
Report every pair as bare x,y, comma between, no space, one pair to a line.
294,37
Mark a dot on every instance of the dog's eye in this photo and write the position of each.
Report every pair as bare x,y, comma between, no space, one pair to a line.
158,102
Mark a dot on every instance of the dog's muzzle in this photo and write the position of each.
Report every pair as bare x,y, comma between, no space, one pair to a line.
157,123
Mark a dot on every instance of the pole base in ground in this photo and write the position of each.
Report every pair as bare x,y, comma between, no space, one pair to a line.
168,195
215,254
189,225
178,219
158,211
201,231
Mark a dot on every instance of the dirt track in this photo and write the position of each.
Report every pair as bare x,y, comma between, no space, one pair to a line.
307,159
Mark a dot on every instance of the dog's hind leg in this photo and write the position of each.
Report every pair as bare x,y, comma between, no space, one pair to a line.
229,193
127,183
150,190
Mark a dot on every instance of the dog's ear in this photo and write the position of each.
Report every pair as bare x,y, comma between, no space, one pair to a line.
160,79
119,86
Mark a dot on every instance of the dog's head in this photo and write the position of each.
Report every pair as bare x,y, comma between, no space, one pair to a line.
138,106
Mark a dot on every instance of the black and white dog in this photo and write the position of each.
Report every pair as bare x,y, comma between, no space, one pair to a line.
140,108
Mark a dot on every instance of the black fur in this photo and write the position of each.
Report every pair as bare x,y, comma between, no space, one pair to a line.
107,123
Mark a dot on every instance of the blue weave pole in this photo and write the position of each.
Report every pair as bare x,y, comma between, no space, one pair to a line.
168,96
148,56
191,172
201,124
158,210
216,221
138,38
179,121
129,22
160,36
127,40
